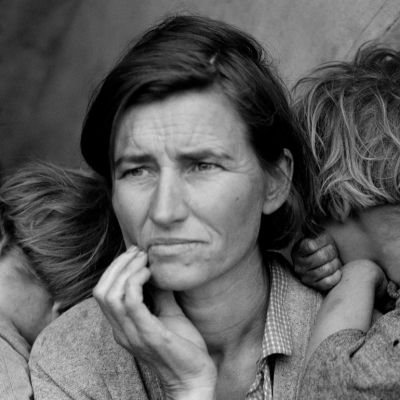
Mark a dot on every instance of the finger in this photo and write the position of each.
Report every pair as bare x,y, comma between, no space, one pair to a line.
307,246
329,282
124,300
115,268
114,292
133,303
132,285
323,271
303,248
324,255
323,239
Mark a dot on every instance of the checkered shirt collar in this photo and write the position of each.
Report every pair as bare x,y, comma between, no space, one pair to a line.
277,334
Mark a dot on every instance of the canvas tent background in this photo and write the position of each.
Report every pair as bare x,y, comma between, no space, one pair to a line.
53,52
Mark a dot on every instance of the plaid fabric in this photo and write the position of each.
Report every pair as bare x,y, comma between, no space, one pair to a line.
277,335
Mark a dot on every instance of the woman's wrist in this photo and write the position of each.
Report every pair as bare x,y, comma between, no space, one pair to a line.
199,389
195,394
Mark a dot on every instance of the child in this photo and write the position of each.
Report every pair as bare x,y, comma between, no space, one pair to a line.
351,113
54,247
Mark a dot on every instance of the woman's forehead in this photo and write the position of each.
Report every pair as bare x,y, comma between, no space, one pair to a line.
190,122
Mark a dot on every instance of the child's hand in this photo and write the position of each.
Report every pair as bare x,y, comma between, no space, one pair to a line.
316,262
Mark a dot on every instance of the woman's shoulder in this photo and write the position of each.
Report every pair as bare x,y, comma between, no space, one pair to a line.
81,330
78,352
278,261
84,321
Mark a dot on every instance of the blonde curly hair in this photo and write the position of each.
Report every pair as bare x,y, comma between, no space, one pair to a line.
351,115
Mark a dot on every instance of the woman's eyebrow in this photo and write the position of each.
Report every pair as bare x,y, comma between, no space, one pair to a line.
204,154
194,155
133,158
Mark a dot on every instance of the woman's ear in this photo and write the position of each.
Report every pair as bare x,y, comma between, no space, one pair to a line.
278,184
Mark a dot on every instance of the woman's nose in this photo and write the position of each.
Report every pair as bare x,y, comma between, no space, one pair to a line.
168,205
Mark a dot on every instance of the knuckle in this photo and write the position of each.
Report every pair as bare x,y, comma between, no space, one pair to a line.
99,294
330,250
328,269
298,267
309,245
324,285
330,281
303,248
110,300
337,263
306,280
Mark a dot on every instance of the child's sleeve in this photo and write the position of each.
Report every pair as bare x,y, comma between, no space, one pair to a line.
353,365
15,381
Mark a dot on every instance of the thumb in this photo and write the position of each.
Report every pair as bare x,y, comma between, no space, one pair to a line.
165,303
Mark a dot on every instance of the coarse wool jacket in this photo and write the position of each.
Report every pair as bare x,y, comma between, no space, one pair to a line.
356,365
15,383
76,357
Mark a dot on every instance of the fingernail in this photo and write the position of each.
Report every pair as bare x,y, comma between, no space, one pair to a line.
132,249
141,253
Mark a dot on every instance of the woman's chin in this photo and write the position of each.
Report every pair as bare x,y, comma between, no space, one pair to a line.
173,278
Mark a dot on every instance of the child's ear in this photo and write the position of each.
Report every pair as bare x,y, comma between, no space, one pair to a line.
278,184
56,310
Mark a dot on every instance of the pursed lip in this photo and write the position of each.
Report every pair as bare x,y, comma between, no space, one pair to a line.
170,242
157,244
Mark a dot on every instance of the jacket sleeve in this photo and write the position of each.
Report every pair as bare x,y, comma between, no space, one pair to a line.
15,383
353,365
77,358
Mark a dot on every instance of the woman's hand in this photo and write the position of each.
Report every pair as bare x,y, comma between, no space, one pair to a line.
167,342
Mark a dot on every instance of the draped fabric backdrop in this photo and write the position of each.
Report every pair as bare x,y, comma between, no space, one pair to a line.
53,52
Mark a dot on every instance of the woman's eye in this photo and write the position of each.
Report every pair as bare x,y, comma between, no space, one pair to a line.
203,166
140,171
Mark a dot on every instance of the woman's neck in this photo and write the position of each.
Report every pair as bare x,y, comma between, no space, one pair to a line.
230,314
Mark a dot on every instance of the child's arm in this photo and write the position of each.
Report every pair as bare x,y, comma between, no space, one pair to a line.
350,304
316,262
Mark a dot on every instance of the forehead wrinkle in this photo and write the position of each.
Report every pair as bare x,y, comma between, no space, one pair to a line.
180,130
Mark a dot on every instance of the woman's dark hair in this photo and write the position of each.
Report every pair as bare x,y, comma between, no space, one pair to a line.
186,53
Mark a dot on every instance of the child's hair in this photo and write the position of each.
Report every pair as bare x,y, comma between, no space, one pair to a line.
351,114
60,225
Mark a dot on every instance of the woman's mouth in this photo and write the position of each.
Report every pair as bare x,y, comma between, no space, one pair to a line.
171,247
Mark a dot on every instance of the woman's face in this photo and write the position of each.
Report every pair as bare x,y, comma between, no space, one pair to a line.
188,189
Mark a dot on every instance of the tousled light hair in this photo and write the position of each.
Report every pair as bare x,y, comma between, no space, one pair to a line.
59,224
351,113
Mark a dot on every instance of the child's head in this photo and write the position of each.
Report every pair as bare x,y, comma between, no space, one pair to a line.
59,226
351,113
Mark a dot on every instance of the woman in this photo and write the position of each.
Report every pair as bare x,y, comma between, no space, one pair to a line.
193,134
50,257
